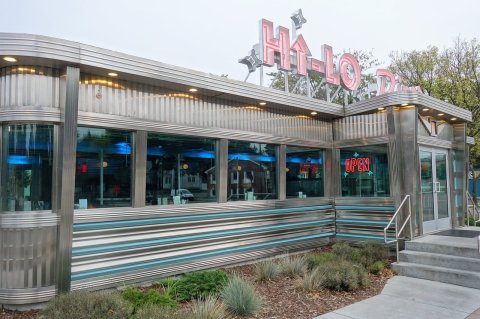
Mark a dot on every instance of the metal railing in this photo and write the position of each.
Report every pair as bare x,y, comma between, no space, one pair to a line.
473,211
398,231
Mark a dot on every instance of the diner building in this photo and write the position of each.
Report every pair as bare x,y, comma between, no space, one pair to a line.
118,170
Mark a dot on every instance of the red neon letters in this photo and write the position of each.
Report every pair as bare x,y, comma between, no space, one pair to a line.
360,164
276,49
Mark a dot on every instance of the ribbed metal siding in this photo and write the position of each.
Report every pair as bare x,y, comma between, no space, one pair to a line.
360,126
27,257
100,95
29,86
116,250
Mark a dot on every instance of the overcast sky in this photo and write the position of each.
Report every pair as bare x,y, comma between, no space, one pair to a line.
211,35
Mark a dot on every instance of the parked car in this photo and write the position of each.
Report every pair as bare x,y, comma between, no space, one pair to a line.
185,194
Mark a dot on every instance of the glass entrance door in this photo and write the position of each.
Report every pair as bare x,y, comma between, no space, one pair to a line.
434,190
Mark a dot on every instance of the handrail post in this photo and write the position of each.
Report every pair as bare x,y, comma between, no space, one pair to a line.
396,237
410,215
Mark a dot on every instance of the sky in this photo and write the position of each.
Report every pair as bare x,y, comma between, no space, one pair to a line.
211,35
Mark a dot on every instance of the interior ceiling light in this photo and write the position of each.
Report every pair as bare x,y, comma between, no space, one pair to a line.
314,113
112,74
425,109
453,118
381,108
193,90
262,103
404,104
9,59
441,114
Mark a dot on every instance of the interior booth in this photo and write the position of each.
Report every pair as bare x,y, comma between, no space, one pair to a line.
118,170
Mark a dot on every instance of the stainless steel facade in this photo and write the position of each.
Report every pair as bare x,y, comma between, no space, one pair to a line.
60,249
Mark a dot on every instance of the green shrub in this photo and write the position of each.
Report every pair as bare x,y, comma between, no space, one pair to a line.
376,268
139,298
314,259
240,297
208,308
293,266
266,270
345,251
341,274
373,252
199,284
159,312
312,280
87,305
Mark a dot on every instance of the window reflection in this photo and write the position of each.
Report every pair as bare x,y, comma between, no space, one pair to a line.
180,169
103,176
304,172
29,162
251,171
364,171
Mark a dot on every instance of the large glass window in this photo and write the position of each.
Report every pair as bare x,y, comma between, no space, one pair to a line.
251,171
364,171
103,177
180,169
304,172
28,156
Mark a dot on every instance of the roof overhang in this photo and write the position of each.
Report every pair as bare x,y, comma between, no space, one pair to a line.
409,98
52,52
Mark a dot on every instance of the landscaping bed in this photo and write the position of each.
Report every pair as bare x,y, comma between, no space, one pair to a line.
301,286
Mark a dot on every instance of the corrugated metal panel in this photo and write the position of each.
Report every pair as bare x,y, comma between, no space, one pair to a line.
363,218
139,101
114,250
29,86
360,126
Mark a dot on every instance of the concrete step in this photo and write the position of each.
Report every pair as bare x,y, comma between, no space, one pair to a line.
441,274
440,260
458,250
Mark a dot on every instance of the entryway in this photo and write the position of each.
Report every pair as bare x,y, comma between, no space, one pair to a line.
435,201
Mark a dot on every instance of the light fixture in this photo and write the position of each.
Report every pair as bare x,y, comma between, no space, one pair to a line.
9,59
440,114
404,104
313,113
381,108
453,118
193,90
426,109
112,74
262,103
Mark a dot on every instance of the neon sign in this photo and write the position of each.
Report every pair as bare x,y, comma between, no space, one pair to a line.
359,164
292,54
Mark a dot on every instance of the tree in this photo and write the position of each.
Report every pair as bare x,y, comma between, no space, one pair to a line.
452,75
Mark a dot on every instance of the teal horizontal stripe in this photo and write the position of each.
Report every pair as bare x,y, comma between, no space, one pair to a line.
362,236
370,208
185,258
364,222
153,242
176,219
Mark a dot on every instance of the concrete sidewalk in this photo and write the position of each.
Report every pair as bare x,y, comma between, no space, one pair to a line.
408,298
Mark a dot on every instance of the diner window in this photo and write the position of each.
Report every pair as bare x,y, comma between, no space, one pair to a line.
364,171
251,171
304,172
180,169
103,175
28,162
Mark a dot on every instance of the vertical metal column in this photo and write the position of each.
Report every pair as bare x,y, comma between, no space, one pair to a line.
3,167
66,180
458,179
139,168
328,172
281,171
221,170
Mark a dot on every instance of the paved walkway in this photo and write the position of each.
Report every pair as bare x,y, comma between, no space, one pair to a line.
412,298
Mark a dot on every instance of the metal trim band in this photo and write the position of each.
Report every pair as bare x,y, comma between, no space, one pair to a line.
28,219
27,295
